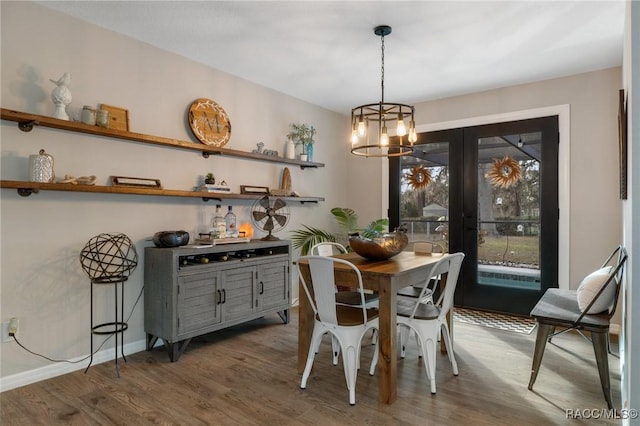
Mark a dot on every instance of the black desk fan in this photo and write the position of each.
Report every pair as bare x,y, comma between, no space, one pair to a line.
270,215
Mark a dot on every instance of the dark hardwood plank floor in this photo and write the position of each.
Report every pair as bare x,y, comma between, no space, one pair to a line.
247,376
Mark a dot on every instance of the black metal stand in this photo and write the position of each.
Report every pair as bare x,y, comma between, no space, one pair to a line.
118,326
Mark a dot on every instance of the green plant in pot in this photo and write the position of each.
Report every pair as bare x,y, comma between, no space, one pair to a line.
302,135
309,236
210,179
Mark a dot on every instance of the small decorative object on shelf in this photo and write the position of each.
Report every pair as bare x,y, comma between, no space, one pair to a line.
285,185
209,122
223,188
102,118
250,189
61,96
135,182
118,117
41,167
302,135
209,179
290,151
230,221
81,180
260,150
88,115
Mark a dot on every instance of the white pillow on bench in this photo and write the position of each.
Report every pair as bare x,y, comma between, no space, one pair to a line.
589,288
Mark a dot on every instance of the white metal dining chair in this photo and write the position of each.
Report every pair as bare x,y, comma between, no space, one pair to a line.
425,248
346,324
346,297
428,320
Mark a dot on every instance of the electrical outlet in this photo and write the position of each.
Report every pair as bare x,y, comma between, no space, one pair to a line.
10,326
13,326
5,332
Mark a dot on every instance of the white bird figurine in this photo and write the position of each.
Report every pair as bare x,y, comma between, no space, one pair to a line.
62,81
61,96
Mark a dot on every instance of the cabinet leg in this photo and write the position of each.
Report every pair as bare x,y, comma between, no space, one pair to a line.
284,316
151,341
176,349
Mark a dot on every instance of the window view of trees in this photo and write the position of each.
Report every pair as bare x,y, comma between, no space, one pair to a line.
508,218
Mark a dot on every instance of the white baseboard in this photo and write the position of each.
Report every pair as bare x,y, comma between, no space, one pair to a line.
60,368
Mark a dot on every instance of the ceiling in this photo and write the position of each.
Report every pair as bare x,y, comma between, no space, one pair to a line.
325,52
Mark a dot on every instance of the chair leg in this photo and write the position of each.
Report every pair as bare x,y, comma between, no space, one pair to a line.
349,359
315,339
600,348
544,331
374,336
335,349
404,337
449,346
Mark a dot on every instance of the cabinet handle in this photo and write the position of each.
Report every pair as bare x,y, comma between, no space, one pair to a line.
261,287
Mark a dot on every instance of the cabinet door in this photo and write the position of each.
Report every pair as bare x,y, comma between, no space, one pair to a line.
199,299
273,285
238,292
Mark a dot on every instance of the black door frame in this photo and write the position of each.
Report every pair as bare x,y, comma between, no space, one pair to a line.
466,222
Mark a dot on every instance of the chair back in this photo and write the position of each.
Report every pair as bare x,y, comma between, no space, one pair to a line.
327,248
323,300
616,261
450,265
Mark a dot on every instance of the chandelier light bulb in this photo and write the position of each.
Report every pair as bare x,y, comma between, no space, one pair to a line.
362,128
401,130
354,137
384,137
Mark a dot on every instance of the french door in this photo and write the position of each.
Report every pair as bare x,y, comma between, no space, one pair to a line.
491,192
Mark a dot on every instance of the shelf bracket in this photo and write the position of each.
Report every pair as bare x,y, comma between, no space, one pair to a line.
205,199
27,126
309,201
206,154
25,192
308,167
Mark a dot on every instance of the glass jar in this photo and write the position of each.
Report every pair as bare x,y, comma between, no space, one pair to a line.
102,118
89,115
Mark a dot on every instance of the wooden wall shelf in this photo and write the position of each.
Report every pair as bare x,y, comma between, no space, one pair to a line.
27,121
27,188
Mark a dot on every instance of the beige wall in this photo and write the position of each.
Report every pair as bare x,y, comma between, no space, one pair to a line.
41,236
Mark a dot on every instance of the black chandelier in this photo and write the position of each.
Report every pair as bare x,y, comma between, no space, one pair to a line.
378,115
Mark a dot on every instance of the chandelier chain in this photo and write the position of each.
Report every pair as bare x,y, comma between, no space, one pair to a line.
382,69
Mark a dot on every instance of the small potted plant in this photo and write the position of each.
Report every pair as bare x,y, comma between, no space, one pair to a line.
302,134
210,179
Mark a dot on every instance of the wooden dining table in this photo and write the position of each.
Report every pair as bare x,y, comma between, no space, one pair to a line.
384,277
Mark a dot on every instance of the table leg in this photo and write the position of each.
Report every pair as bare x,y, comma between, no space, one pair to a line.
388,359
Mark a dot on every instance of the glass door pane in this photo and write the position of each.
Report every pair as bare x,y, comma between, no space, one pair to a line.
508,227
424,194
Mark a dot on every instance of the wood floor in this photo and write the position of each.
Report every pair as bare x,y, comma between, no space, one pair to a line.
247,376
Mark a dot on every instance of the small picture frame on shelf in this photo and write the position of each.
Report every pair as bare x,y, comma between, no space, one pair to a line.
118,117
258,190
135,182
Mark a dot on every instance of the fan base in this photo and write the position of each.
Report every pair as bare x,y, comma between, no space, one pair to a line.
269,238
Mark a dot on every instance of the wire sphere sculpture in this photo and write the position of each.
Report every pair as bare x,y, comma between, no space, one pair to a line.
109,256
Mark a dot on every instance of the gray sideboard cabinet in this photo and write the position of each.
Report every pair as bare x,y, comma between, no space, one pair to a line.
190,291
